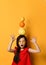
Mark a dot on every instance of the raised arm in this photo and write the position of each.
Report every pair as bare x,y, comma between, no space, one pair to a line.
36,45
10,44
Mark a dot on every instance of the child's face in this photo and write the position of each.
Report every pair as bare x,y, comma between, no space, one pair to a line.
22,43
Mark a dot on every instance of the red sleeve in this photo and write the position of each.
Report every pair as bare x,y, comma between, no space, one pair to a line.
15,49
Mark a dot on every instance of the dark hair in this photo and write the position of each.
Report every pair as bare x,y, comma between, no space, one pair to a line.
16,57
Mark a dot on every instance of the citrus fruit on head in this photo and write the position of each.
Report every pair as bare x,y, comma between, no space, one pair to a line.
22,24
21,31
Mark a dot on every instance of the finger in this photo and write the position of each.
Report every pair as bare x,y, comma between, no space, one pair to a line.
12,36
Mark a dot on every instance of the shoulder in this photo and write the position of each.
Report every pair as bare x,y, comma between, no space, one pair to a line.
15,47
26,49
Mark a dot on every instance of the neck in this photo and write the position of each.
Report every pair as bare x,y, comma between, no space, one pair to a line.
22,48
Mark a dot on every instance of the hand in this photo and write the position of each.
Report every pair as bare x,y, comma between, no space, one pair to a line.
33,40
12,38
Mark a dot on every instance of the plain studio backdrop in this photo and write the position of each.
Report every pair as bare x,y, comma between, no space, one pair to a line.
34,12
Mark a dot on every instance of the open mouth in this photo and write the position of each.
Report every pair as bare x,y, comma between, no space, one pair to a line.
21,45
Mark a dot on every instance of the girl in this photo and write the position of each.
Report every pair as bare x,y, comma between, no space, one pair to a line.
22,52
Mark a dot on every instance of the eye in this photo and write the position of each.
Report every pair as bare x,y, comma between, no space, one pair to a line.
23,41
19,41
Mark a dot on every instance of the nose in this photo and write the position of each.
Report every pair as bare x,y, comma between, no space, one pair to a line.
21,42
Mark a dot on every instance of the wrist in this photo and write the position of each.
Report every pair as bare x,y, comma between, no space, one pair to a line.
12,41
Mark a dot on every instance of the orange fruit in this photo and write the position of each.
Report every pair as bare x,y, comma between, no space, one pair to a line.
22,24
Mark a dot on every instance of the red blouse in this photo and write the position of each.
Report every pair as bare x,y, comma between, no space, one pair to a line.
24,58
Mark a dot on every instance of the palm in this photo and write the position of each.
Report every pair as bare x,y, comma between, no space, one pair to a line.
12,37
33,40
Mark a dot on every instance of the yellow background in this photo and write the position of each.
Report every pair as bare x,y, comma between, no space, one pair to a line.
34,12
